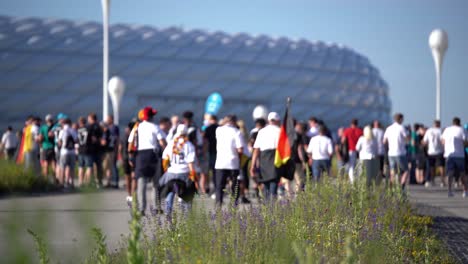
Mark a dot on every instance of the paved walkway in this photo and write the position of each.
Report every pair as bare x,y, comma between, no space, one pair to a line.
450,216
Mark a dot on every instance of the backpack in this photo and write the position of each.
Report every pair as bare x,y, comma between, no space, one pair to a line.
70,142
133,146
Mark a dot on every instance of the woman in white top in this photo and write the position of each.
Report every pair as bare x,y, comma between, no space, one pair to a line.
368,151
180,176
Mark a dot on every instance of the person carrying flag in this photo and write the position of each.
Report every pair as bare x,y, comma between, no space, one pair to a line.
264,150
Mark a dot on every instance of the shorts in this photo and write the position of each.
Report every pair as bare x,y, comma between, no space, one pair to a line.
48,155
68,160
109,160
126,166
455,166
436,161
398,163
381,159
421,161
147,164
91,159
81,160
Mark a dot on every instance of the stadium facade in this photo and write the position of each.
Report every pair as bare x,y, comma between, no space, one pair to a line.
51,66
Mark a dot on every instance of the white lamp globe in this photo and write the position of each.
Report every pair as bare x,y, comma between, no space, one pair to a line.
438,40
116,88
260,111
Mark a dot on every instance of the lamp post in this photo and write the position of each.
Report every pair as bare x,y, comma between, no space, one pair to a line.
116,90
260,111
438,42
105,57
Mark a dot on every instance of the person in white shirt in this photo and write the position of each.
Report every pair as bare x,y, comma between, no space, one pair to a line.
9,143
454,141
66,141
229,148
368,149
180,176
320,151
313,130
396,137
378,133
435,152
149,143
264,150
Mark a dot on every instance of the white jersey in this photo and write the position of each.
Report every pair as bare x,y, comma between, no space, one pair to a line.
179,160
433,140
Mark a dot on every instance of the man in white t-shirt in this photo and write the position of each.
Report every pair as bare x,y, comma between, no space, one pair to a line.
66,141
378,133
264,149
454,141
320,151
150,142
229,148
396,138
435,152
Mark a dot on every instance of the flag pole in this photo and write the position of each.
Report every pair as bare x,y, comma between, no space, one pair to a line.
288,102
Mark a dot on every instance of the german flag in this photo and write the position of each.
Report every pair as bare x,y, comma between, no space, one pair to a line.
285,142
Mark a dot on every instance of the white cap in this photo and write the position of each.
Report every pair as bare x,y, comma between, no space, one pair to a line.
181,130
273,116
49,117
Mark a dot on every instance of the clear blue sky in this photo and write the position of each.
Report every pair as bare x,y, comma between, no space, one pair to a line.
393,34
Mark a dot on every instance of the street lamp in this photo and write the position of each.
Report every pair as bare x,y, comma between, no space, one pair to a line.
116,91
260,111
105,55
438,42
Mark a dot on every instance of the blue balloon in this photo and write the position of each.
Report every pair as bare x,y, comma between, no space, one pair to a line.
213,103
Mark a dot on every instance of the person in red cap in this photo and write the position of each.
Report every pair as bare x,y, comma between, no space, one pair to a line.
149,142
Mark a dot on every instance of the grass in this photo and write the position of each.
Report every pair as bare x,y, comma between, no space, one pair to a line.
332,222
16,179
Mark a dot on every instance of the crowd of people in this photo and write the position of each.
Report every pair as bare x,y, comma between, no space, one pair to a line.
179,159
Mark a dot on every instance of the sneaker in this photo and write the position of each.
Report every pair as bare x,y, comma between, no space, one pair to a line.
465,194
427,184
442,185
450,194
455,185
213,196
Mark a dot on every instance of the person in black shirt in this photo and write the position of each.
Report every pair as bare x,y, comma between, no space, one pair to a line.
94,148
129,170
111,147
299,155
209,142
82,138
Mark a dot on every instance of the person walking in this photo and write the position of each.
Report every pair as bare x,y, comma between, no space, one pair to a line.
94,149
47,139
320,151
351,135
129,170
396,137
264,150
454,141
82,133
66,140
435,152
149,142
111,150
378,134
9,143
229,148
299,156
368,151
209,147
180,176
